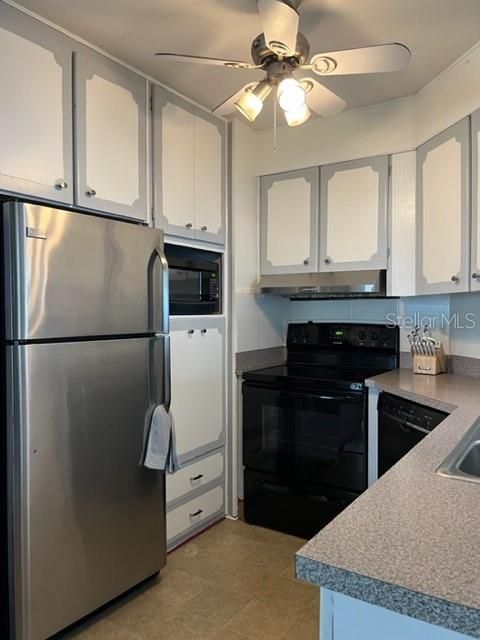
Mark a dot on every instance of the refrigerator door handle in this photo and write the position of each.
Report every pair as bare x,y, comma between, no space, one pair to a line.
158,253
166,373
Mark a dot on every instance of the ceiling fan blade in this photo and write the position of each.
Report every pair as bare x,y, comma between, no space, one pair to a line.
227,107
321,100
377,59
280,26
233,64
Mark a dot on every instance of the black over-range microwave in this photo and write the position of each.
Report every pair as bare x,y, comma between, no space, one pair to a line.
195,278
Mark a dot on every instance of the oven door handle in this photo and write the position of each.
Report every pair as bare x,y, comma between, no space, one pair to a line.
313,396
405,423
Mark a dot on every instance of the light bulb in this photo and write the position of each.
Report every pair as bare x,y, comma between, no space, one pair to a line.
297,117
249,106
251,103
291,95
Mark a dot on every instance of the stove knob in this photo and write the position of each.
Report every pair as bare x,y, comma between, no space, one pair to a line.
362,335
374,336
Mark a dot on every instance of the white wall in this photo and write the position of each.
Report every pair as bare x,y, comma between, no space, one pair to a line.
258,321
390,127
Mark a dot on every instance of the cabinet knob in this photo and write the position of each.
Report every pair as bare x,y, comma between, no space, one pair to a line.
475,276
61,184
189,225
327,260
204,228
455,279
90,193
203,331
190,332
306,261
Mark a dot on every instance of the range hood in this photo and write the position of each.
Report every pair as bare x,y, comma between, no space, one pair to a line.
321,286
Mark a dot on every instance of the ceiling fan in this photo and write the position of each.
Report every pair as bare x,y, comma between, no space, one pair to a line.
280,51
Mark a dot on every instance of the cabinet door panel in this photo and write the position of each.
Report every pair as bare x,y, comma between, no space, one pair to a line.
111,137
288,222
35,108
173,155
353,214
443,211
210,178
475,260
197,384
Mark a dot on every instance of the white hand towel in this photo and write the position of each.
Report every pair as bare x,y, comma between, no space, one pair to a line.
161,453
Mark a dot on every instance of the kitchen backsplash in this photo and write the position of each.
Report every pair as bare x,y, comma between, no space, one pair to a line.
455,319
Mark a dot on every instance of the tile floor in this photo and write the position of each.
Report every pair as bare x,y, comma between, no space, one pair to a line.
233,582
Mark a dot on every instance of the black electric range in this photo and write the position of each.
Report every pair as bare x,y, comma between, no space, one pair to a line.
305,424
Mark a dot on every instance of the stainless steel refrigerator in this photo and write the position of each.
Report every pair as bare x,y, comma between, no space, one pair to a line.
87,360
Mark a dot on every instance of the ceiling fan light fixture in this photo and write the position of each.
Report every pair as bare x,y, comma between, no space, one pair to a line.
298,117
251,103
291,94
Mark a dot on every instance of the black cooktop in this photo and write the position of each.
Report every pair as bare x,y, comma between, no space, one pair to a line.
313,376
332,355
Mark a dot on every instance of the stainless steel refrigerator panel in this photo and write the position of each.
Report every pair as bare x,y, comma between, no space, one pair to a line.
71,274
88,519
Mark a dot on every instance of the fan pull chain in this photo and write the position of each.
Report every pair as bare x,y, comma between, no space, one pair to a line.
275,146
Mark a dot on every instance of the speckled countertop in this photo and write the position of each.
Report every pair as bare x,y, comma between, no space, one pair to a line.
411,542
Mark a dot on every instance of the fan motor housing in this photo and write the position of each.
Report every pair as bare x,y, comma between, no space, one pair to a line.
263,55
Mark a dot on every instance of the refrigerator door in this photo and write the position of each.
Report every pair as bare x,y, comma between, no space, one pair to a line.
71,274
88,521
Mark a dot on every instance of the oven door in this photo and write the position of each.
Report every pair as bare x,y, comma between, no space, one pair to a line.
308,435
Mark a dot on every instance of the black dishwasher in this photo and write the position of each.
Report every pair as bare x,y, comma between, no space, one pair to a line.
401,425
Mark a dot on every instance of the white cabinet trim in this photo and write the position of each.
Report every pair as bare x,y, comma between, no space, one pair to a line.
185,323
475,229
378,260
461,133
87,64
311,177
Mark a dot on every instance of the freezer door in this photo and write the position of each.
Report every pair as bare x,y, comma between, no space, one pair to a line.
88,521
71,274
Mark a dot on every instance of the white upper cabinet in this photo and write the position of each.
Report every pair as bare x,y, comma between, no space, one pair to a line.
288,222
443,212
198,388
353,215
209,163
475,260
35,108
189,155
111,140
174,134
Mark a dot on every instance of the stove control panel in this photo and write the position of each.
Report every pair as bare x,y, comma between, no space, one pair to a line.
337,335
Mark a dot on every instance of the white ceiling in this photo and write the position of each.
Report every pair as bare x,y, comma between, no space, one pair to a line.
436,31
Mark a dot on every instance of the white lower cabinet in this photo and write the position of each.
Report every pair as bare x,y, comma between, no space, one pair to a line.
195,494
192,516
194,477
198,384
346,618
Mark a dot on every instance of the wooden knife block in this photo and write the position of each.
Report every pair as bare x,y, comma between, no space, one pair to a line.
430,365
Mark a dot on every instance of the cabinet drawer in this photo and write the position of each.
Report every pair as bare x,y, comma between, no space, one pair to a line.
192,514
194,476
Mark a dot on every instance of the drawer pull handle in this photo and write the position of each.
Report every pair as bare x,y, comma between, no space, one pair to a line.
196,513
195,478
